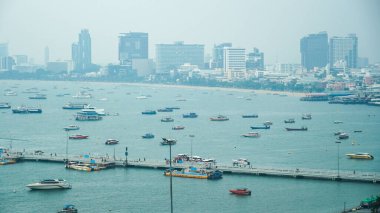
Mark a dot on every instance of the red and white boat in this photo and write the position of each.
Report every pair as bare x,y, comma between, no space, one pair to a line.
243,191
78,137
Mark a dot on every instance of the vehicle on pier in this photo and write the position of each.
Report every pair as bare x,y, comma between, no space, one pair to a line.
50,184
193,172
241,162
241,191
366,156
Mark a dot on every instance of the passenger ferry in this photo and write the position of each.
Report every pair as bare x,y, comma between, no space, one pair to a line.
366,156
50,184
25,110
193,172
87,116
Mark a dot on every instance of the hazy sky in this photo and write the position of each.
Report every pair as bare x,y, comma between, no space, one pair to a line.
275,27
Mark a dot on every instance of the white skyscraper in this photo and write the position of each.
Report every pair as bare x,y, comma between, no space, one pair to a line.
234,62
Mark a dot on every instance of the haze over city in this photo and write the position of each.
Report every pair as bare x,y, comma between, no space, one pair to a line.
275,27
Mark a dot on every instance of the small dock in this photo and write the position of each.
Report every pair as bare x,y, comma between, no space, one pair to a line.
298,173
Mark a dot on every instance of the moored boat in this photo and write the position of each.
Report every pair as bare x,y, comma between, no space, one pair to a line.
304,128
250,116
168,141
87,116
219,118
260,127
78,137
343,136
71,127
25,110
338,122
240,191
75,106
289,121
193,172
5,106
68,208
190,115
50,184
149,112
167,119
165,110
38,96
251,135
148,136
178,128
306,117
111,142
366,156
268,123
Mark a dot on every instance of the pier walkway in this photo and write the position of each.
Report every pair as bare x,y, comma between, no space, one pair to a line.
318,174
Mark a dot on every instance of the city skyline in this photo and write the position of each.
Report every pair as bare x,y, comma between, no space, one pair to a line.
255,24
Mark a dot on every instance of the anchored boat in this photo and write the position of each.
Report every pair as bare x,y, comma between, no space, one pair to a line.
50,184
240,191
366,156
193,172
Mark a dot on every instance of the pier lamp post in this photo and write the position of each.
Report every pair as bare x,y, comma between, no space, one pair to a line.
170,168
191,145
338,142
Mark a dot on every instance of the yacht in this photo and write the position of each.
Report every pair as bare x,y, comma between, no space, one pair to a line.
360,156
50,184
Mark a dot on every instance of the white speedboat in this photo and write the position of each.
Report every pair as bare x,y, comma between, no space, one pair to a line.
71,127
50,184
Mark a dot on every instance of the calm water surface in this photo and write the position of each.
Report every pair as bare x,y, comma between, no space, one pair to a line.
140,190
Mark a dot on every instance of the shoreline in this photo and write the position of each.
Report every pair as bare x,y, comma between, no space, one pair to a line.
227,89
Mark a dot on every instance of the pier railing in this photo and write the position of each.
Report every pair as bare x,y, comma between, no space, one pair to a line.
321,174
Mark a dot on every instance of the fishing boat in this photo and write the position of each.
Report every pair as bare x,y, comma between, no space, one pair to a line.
167,141
289,121
193,172
149,112
251,135
71,127
111,142
50,184
304,128
78,137
5,106
148,136
306,117
178,127
366,156
75,106
250,116
343,136
241,191
190,115
167,119
260,127
219,118
68,208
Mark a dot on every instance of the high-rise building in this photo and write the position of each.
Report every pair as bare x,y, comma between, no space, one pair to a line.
20,59
171,56
314,50
234,63
133,45
4,50
344,50
81,52
218,55
255,60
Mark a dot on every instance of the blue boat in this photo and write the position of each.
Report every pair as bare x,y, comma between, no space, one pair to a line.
165,110
149,112
26,110
148,136
260,127
190,115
